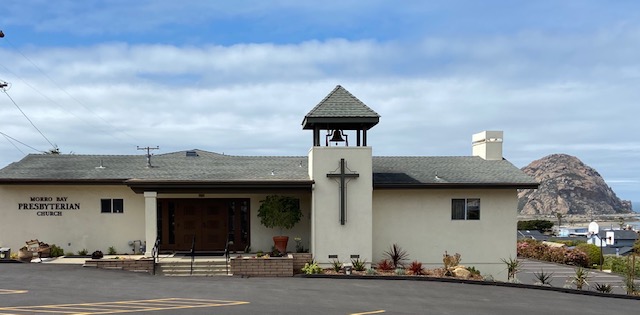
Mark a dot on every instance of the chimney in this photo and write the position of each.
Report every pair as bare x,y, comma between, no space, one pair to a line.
487,145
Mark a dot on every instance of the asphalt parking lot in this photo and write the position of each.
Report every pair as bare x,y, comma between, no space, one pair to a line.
561,275
70,289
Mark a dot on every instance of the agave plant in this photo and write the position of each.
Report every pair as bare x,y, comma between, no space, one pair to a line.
336,265
603,288
544,278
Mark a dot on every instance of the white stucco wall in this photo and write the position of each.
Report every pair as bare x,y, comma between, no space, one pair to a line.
74,230
328,236
89,229
420,222
262,237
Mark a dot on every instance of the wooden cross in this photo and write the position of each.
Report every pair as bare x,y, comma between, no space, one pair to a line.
343,177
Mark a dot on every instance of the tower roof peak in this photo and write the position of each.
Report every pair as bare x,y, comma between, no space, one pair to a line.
341,110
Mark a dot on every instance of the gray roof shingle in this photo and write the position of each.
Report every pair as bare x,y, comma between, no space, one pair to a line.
341,103
340,109
445,171
213,167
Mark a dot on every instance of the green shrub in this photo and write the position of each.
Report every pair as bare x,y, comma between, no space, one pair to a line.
358,265
111,250
311,269
592,251
56,251
539,225
336,265
621,265
561,255
83,252
473,270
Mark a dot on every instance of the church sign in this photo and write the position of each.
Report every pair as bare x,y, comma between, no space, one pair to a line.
48,206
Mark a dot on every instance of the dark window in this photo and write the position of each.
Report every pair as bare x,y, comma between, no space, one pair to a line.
465,209
105,205
118,206
111,205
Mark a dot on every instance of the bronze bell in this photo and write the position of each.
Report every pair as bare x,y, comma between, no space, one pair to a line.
337,136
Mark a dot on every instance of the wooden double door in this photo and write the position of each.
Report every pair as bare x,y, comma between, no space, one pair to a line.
205,223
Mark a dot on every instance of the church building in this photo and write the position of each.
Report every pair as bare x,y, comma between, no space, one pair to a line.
354,204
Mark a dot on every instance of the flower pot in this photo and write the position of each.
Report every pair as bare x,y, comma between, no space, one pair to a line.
280,243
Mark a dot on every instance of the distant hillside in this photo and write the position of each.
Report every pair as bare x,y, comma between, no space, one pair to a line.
568,186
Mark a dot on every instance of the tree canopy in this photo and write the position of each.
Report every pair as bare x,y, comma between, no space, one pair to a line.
540,225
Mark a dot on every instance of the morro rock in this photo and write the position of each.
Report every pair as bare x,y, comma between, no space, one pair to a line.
568,186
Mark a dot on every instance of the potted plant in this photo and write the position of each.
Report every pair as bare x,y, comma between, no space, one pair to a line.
281,212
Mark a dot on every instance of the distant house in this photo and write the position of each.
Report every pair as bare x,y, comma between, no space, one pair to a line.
532,234
615,242
576,231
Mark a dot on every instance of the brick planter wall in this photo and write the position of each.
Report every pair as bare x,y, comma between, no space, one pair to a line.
299,259
145,265
262,267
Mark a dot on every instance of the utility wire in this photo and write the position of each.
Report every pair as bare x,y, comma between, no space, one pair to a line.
13,144
62,89
18,141
27,117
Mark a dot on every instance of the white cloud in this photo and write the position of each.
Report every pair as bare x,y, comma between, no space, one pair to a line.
550,93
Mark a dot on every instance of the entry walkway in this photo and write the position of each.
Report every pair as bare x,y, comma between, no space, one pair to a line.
562,275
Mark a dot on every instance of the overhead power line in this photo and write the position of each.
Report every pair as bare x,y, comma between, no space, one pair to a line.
27,117
9,138
64,91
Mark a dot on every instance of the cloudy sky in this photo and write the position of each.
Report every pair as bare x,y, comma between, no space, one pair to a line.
102,77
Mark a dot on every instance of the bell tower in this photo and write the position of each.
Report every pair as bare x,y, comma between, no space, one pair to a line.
337,113
340,164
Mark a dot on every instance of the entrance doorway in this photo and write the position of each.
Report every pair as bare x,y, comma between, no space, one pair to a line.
206,223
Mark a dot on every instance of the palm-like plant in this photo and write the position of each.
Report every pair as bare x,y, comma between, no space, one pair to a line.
580,278
513,267
397,256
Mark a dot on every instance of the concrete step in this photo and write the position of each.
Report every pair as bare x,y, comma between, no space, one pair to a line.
200,268
89,263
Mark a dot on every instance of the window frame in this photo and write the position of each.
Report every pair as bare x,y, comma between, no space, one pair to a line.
469,212
111,205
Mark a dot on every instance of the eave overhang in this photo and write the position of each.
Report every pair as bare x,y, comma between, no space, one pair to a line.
185,186
455,186
52,181
346,123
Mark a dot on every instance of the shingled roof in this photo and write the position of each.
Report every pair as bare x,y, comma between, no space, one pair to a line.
447,172
209,168
341,109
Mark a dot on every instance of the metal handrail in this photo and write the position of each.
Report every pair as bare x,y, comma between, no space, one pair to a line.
155,253
226,254
193,251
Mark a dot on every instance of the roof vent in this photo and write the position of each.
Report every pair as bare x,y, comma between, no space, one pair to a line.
192,153
101,165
